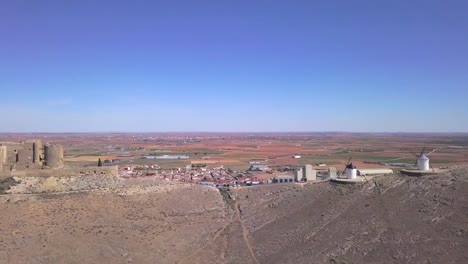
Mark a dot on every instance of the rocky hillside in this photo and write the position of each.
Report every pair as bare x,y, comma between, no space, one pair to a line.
392,219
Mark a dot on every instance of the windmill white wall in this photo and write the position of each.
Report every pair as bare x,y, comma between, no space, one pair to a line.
351,173
423,162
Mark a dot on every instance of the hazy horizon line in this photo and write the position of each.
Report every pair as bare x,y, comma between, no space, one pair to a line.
239,132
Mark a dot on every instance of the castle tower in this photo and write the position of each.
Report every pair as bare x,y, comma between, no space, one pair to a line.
38,154
3,155
25,153
53,155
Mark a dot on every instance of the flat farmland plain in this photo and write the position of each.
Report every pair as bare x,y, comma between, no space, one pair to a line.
236,150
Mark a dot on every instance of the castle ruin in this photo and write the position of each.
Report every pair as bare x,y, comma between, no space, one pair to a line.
30,154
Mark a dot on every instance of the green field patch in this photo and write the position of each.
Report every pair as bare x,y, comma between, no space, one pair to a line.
442,161
238,166
160,150
242,156
314,161
76,150
161,153
405,160
173,164
95,154
366,157
367,150
205,152
455,142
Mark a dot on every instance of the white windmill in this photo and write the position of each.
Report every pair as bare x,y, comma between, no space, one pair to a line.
350,170
422,162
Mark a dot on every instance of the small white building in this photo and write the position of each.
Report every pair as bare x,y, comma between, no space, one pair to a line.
297,156
298,174
374,172
309,173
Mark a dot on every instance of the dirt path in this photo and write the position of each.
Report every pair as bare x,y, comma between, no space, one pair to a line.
245,233
400,158
188,258
434,150
194,253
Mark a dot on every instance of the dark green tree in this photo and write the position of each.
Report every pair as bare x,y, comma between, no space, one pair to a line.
99,163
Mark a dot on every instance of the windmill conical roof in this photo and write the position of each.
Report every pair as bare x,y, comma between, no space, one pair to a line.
423,157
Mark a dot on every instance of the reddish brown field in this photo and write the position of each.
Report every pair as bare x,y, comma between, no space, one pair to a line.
236,150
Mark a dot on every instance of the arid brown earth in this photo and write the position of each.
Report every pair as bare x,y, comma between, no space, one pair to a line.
391,219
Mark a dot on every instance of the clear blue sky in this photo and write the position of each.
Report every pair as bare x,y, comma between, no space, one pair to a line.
79,66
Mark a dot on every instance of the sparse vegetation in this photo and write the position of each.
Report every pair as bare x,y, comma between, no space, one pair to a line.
225,193
7,183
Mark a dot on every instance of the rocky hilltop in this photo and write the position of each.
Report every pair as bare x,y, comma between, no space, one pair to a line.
390,219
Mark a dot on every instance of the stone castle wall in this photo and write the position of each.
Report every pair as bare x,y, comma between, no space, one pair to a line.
63,180
63,172
30,154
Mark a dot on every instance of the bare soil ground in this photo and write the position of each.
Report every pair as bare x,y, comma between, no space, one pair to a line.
391,219
134,225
